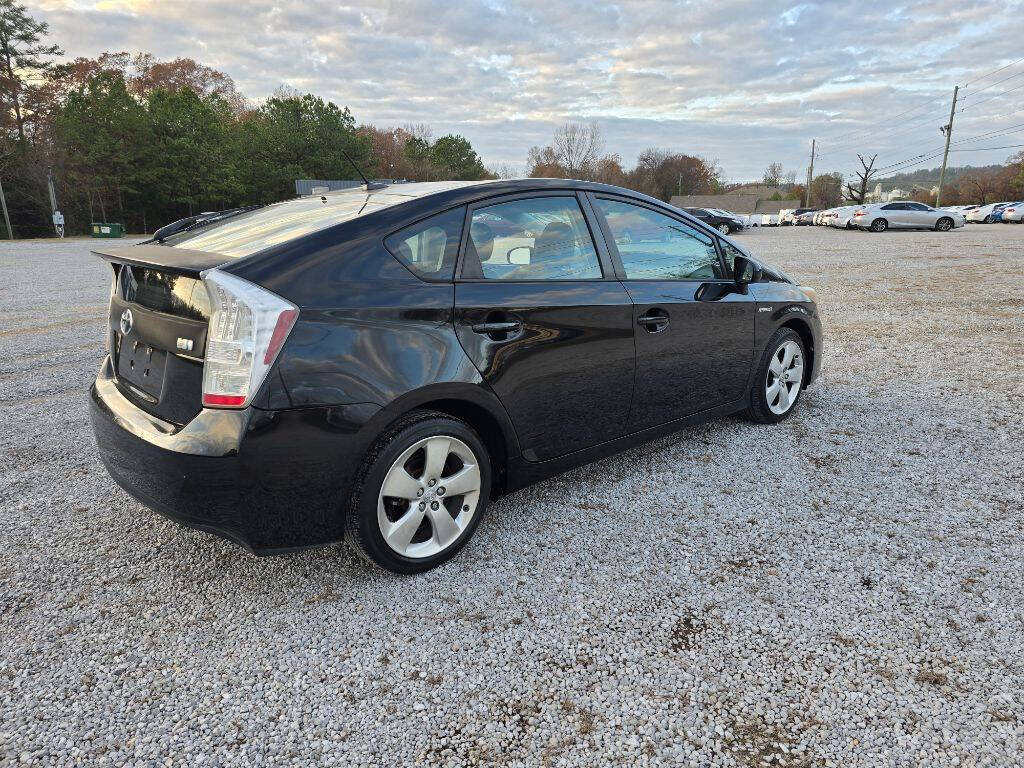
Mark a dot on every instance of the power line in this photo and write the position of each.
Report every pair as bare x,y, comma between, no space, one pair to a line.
887,117
982,77
998,95
997,82
986,149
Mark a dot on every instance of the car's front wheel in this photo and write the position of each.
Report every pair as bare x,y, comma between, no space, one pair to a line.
879,225
944,224
780,378
420,493
723,228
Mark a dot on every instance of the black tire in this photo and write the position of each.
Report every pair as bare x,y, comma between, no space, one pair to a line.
362,530
724,228
758,410
944,224
988,219
879,225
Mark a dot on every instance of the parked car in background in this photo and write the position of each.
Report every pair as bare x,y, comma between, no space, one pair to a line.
999,214
789,215
879,217
373,365
724,223
805,219
984,214
1013,214
842,217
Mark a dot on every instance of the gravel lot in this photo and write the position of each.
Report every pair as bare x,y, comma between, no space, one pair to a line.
840,590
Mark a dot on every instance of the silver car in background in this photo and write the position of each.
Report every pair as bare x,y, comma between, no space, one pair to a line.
879,217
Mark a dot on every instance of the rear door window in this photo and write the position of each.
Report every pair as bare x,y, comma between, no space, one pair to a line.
539,238
429,247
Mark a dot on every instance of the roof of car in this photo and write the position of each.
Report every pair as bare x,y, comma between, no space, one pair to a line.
419,189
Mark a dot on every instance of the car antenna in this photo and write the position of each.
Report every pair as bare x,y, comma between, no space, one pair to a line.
367,184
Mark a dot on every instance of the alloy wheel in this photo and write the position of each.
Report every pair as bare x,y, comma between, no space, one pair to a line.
944,225
723,228
879,225
785,375
429,496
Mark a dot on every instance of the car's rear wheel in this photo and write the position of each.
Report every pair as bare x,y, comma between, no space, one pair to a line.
879,225
780,378
723,228
988,219
420,493
944,224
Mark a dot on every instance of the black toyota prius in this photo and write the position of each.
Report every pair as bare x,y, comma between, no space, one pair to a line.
374,365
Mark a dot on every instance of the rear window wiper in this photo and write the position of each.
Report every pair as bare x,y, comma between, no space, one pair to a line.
190,223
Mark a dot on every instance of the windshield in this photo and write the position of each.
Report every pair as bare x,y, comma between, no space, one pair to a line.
257,230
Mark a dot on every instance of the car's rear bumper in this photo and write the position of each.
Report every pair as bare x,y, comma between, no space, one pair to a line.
271,481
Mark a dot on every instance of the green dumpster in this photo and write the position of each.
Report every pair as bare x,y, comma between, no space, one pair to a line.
102,229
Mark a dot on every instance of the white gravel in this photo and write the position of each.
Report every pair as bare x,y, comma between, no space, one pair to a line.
840,590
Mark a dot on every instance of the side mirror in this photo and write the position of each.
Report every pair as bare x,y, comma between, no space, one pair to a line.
745,271
520,255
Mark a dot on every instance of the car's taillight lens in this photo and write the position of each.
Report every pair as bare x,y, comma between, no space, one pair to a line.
248,326
860,213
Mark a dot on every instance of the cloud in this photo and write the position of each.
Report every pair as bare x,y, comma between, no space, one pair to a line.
745,82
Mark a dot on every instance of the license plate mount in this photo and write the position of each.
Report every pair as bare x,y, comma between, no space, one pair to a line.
141,366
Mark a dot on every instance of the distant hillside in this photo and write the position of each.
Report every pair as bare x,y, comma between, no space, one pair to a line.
928,177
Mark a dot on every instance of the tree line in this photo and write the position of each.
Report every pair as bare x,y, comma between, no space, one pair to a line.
131,139
577,152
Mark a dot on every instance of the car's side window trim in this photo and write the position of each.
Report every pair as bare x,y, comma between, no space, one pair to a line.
420,220
617,257
487,202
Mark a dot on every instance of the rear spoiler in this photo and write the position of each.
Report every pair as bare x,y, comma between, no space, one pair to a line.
164,258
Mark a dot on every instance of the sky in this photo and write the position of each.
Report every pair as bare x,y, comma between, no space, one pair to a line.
746,83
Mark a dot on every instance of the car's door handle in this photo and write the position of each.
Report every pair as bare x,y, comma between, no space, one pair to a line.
506,327
654,321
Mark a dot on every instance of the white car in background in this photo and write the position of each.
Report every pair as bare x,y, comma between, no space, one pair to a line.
983,213
842,217
1014,213
787,216
905,214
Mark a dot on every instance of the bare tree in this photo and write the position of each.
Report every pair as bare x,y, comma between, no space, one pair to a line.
773,174
859,193
577,147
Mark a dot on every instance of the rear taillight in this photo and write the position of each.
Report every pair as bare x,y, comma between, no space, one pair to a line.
861,213
248,326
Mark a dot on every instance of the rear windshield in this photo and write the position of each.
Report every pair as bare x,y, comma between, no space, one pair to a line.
263,228
172,294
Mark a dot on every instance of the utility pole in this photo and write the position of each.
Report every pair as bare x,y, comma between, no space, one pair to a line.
810,176
7,219
58,217
948,130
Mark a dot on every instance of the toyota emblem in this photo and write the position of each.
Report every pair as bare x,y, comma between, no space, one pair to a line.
126,322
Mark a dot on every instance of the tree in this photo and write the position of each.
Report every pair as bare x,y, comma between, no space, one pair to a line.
978,186
544,163
859,193
773,175
662,174
23,57
106,137
455,158
827,190
190,138
1017,164
577,147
